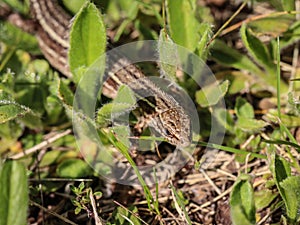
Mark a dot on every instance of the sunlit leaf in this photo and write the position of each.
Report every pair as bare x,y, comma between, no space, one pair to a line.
87,38
184,27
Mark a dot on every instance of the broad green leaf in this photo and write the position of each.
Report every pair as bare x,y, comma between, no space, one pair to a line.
10,110
87,39
13,194
291,187
50,158
242,206
280,168
243,108
257,49
184,27
263,198
211,94
230,57
17,38
168,56
251,125
73,168
272,25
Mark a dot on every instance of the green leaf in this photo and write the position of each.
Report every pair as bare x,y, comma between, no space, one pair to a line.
257,49
210,95
73,168
17,38
10,110
243,108
242,206
272,25
263,198
50,158
230,57
184,27
87,39
167,52
281,170
249,125
291,187
13,194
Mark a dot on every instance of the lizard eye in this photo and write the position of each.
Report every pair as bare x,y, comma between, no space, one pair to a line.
168,132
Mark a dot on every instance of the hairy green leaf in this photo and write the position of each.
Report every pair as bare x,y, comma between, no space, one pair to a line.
10,110
291,187
257,49
87,39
